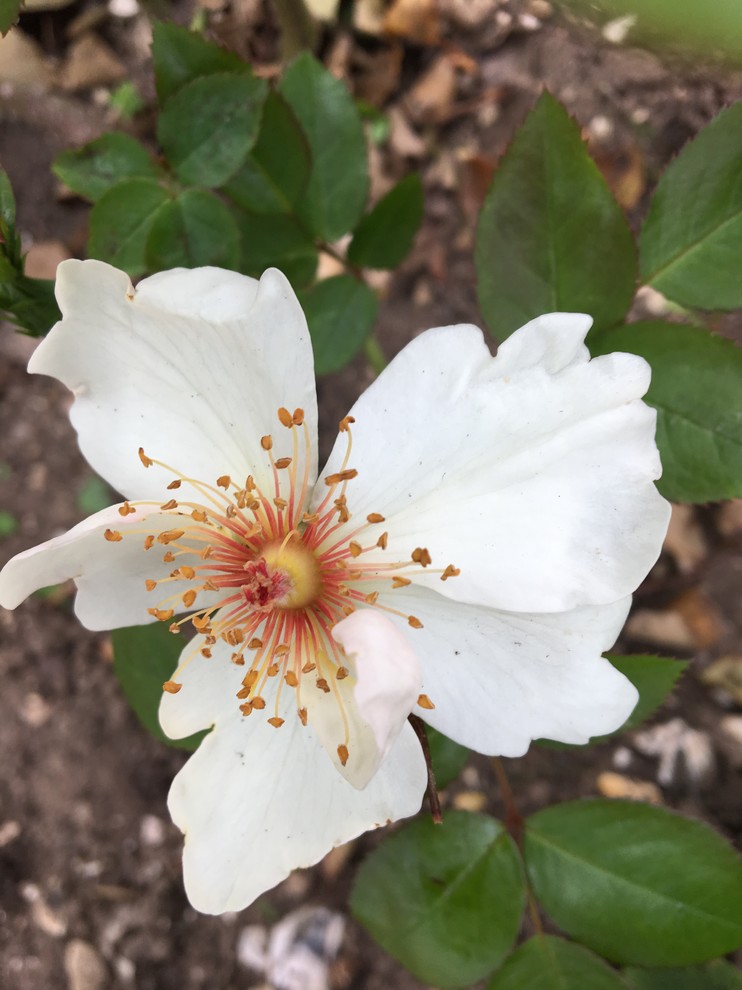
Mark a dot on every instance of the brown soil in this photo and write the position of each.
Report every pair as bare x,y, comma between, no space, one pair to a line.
86,849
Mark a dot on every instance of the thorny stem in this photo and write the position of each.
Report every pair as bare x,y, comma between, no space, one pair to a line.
514,825
435,804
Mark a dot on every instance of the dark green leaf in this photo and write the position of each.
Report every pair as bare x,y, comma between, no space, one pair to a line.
180,55
93,495
144,657
551,237
278,241
208,127
340,312
7,200
697,391
275,172
29,304
690,243
717,975
338,184
194,229
384,236
95,167
653,677
550,963
120,223
635,883
9,10
449,758
445,900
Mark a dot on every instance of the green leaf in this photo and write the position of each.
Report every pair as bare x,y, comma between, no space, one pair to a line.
549,963
276,171
8,523
120,223
7,200
338,184
635,883
276,240
551,237
180,55
98,166
194,229
690,243
697,391
445,900
340,312
448,757
93,495
384,236
29,304
717,975
9,11
208,127
653,677
144,657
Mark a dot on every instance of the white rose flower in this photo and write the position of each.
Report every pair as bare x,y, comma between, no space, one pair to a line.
467,554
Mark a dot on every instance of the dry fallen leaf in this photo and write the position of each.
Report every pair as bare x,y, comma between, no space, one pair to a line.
418,21
615,785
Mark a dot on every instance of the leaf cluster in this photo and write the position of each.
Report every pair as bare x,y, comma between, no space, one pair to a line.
248,176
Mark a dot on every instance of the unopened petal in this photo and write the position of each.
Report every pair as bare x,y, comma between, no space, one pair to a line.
498,679
256,802
358,718
110,573
536,480
191,365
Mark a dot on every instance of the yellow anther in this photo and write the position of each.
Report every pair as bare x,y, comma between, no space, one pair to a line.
425,702
238,660
382,541
375,517
149,542
308,667
246,708
323,685
283,462
298,417
255,643
168,558
150,585
372,598
285,418
224,481
170,535
172,687
341,673
345,423
343,754
162,614
355,549
335,479
266,442
189,598
187,572
421,556
280,503
174,484
147,461
302,713
126,509
276,722
291,679
258,702
414,622
199,515
113,536
171,504
450,571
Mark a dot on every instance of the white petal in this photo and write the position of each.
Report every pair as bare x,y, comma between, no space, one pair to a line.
192,366
256,802
387,673
109,576
537,484
366,710
208,690
499,679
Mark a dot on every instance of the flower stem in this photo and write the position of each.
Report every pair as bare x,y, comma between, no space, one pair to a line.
435,804
514,824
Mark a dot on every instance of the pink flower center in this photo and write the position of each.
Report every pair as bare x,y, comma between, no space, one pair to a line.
258,571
